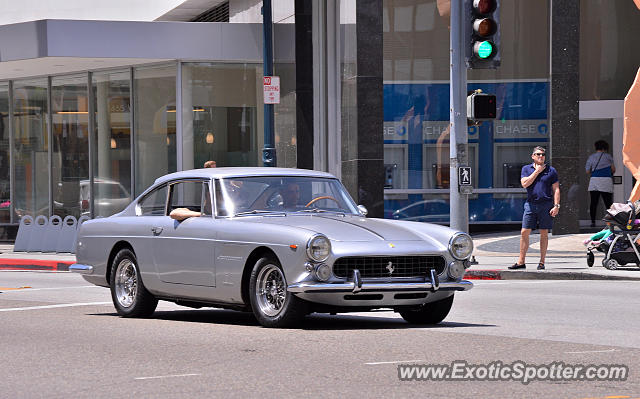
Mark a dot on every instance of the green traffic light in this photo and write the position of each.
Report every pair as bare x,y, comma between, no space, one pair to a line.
484,49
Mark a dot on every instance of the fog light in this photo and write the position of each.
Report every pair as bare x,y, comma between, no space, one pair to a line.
323,272
455,270
309,267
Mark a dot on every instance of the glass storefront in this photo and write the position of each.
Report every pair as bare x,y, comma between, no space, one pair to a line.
5,181
154,124
70,149
112,148
416,111
30,148
221,114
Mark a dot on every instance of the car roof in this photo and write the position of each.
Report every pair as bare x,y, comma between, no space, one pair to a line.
229,172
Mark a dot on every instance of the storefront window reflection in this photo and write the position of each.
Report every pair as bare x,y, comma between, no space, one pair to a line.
221,114
112,160
5,183
155,124
70,157
416,111
30,148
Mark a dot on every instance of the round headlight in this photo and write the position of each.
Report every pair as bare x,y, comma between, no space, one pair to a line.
461,246
318,248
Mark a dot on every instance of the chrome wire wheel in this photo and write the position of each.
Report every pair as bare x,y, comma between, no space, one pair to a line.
126,283
271,290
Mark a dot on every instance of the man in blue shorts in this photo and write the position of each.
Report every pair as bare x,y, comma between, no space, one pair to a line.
543,204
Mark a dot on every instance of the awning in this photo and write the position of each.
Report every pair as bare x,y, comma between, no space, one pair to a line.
50,47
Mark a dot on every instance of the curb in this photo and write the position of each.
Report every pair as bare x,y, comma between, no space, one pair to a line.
35,265
540,275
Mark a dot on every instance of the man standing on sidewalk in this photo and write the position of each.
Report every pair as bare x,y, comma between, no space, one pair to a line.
543,204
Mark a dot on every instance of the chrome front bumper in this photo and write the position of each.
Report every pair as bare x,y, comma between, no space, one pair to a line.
80,268
431,283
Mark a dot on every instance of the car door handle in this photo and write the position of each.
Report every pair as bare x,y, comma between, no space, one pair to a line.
156,230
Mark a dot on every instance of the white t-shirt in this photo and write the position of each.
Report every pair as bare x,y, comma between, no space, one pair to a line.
599,164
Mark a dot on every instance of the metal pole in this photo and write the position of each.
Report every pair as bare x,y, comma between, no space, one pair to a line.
458,154
269,151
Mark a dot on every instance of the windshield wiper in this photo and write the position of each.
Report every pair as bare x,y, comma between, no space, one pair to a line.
256,211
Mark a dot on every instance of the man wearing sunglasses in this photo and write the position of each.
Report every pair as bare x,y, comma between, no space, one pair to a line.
543,204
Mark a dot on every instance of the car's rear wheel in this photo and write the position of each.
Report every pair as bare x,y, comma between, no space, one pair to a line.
272,304
429,313
129,295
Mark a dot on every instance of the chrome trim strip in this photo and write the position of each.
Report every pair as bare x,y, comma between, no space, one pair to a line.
349,287
80,268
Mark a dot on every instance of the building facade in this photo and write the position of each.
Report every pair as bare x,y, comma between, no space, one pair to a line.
94,110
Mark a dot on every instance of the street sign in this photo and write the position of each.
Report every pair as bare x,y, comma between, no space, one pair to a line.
464,175
271,86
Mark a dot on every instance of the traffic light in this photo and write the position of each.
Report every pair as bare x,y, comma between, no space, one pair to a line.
481,106
482,28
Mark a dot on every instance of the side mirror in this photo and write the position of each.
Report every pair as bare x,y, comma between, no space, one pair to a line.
363,210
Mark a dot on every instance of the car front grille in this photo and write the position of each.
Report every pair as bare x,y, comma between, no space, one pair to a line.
381,266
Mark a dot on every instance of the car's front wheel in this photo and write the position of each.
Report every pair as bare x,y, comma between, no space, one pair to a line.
272,304
129,295
429,313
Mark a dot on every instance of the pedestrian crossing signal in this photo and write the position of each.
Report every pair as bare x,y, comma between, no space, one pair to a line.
464,175
481,106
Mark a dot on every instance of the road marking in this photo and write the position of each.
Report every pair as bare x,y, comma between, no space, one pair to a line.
13,288
62,305
602,351
166,376
396,361
52,288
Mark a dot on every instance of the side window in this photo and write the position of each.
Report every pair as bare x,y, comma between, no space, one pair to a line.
153,203
188,194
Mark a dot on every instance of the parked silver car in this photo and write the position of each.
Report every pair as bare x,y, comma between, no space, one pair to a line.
279,242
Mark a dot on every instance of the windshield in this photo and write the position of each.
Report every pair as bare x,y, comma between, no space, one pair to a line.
254,195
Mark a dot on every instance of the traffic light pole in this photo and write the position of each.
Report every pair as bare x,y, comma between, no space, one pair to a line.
458,143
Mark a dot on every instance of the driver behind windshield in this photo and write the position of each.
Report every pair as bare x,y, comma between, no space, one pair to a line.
290,195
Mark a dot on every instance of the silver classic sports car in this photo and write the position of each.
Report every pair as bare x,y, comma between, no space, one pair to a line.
281,243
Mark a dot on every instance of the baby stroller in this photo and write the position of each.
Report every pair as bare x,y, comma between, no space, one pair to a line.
620,246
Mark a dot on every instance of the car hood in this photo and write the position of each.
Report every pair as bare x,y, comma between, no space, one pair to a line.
346,228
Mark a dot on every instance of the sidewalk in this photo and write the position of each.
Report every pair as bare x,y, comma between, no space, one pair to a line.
494,252
37,261
566,259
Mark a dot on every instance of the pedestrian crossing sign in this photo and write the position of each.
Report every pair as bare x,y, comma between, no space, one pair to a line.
464,175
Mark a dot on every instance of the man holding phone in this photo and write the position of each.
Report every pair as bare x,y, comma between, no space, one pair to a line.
543,204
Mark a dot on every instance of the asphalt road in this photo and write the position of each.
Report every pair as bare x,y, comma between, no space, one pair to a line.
61,338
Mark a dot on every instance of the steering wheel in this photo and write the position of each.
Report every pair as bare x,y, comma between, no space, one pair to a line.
321,198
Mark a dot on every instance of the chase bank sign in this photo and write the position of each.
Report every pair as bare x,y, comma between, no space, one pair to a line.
521,129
